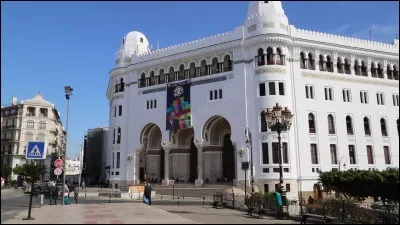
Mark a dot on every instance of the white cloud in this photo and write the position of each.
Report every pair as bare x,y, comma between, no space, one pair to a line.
385,33
341,29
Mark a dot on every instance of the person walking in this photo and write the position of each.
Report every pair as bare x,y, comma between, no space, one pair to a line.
83,185
147,193
76,193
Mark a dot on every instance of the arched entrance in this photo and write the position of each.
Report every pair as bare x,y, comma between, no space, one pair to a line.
193,161
151,160
219,154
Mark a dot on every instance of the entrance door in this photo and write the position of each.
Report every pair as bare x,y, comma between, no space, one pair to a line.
193,162
141,174
228,159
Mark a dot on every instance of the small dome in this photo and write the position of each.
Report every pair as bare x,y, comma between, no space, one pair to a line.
135,42
257,7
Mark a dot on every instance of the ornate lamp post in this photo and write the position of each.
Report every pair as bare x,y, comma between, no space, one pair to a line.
68,93
129,159
279,120
249,145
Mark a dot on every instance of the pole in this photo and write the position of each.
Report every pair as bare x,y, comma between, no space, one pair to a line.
65,152
245,187
30,203
80,166
280,163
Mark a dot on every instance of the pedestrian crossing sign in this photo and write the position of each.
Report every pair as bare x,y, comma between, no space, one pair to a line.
35,150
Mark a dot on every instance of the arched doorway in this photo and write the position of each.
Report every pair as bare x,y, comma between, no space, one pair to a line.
193,161
151,160
219,154
228,158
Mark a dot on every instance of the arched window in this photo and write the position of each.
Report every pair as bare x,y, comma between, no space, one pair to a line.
162,76
280,56
203,68
389,72
181,72
264,127
383,127
114,136
302,60
349,125
270,56
260,57
373,70
214,66
357,68
339,65
380,71
347,68
329,64
152,78
142,80
116,86
192,70
321,63
331,124
395,73
121,85
227,63
311,123
171,76
119,135
367,128
311,62
364,69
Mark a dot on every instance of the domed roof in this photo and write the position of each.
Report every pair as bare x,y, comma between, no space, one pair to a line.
135,42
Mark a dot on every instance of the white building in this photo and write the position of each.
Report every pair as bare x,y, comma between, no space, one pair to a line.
33,119
343,92
72,170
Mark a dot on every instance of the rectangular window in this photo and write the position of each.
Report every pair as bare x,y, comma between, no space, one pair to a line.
118,159
346,95
285,157
120,110
281,88
380,99
333,154
352,154
307,90
266,188
211,95
265,156
275,153
265,170
314,154
155,103
220,93
115,111
387,154
271,87
288,187
151,104
328,93
148,104
363,97
370,154
215,94
113,161
262,89
311,92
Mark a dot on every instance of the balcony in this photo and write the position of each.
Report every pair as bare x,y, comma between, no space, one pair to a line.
8,127
30,114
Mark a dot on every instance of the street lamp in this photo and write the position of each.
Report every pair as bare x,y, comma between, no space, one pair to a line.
249,145
279,120
145,161
129,159
68,92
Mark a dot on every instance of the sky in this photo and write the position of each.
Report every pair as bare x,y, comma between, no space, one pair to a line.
48,45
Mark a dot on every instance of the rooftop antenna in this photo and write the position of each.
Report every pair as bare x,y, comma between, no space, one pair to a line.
370,33
158,45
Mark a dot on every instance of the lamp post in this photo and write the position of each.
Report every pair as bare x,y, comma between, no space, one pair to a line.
249,145
279,120
129,159
145,161
68,92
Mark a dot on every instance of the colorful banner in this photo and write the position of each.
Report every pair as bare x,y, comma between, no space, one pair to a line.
178,106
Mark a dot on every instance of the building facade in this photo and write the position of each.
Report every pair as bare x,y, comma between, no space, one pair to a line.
30,120
342,91
94,156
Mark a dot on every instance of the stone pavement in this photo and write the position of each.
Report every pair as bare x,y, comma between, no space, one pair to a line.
116,213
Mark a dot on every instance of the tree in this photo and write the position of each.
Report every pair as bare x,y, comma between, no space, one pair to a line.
31,171
361,184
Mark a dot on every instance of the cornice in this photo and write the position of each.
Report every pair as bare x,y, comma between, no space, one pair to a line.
267,38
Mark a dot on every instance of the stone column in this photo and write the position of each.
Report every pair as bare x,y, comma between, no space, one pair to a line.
166,166
199,181
136,170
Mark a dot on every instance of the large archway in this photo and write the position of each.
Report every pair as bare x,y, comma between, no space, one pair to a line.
151,160
219,153
193,161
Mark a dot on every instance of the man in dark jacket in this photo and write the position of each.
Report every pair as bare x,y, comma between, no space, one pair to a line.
147,192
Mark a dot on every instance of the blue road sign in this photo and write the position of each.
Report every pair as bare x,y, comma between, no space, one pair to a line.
35,150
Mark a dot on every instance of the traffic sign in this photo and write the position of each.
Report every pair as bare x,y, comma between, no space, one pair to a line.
36,150
172,182
59,163
245,166
57,171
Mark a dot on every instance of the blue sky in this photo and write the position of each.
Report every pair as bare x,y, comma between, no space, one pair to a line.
47,45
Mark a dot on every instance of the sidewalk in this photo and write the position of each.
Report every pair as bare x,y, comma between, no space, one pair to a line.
117,213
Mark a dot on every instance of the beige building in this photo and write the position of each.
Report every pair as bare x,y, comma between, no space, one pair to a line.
33,119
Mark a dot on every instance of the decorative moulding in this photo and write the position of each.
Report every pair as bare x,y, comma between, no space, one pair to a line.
270,70
360,80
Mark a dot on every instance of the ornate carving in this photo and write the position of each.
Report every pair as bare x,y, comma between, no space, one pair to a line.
271,70
268,25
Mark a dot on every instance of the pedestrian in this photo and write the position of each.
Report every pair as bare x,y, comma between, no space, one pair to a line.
76,192
310,200
147,193
83,185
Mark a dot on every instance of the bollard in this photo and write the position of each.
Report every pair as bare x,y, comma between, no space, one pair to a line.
204,198
183,195
178,200
139,195
109,200
85,192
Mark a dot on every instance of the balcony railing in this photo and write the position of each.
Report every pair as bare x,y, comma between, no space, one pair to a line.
30,114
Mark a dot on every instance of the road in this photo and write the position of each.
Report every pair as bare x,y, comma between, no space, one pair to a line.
12,202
